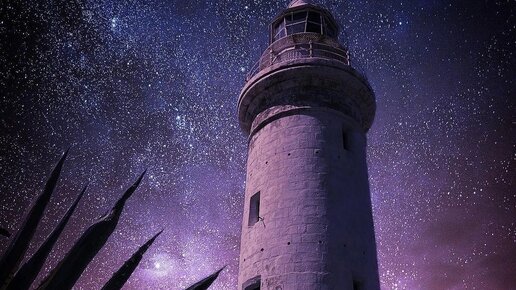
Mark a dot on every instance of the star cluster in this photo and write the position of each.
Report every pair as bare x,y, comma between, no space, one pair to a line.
131,85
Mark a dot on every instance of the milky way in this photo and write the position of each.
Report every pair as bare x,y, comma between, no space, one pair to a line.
153,84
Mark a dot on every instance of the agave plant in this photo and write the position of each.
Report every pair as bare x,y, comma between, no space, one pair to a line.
20,243
29,271
72,265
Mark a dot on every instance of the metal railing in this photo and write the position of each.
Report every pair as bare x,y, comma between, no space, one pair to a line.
298,46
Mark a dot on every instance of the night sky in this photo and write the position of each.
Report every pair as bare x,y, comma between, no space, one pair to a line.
154,84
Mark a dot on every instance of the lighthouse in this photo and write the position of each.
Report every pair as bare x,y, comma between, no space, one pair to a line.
307,221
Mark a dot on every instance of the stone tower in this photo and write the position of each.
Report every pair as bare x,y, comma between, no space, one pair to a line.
307,213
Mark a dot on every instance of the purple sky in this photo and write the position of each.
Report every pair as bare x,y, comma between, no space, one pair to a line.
154,85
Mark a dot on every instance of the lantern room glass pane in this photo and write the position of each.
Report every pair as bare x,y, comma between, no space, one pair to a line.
314,17
296,28
279,27
280,34
312,27
299,16
303,21
288,18
330,31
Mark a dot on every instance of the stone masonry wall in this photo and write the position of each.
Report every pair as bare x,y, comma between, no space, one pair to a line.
317,229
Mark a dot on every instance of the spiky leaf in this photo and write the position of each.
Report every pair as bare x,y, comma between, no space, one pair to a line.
121,276
206,282
19,244
29,271
70,268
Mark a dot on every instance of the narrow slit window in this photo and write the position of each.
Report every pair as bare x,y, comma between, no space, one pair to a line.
356,285
254,209
345,140
252,284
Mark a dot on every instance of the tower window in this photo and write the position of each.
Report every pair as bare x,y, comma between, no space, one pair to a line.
254,209
345,140
356,285
252,284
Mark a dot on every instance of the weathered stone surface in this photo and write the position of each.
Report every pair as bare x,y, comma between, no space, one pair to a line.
315,204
